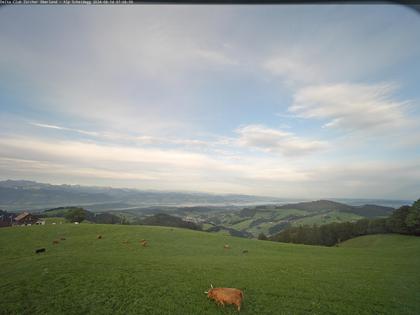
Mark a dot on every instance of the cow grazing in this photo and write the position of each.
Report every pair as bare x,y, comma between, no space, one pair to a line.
224,296
99,237
144,243
55,242
40,250
245,251
226,246
62,238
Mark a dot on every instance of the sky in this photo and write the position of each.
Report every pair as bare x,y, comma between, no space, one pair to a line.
297,101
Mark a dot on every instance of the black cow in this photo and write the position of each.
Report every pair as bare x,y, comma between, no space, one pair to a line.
40,250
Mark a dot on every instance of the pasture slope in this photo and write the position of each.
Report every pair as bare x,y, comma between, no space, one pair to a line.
84,275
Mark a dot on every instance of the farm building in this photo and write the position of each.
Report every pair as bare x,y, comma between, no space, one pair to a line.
25,218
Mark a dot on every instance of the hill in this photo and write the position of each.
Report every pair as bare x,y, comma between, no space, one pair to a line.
395,242
272,219
368,211
102,218
234,220
115,275
162,219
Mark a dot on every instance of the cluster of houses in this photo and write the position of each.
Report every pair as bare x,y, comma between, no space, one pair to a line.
23,219
192,219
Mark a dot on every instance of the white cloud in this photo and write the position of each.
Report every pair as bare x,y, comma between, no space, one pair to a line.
354,107
217,57
294,70
116,137
27,166
84,132
273,140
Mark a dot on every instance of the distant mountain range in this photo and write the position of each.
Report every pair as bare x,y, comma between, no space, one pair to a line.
18,195
30,195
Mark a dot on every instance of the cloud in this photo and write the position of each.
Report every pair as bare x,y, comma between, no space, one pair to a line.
349,44
150,168
140,167
135,78
144,100
294,70
366,179
84,132
116,137
352,107
27,166
215,56
273,140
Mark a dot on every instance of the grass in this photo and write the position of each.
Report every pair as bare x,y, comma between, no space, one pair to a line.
329,217
84,275
206,226
396,242
261,228
56,220
283,213
242,225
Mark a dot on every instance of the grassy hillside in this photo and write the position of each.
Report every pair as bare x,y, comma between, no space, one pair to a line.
271,219
367,210
394,242
84,275
329,217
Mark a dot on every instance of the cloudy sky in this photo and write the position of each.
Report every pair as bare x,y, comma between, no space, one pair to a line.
287,101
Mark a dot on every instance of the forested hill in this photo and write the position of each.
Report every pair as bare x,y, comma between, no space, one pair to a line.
368,211
162,219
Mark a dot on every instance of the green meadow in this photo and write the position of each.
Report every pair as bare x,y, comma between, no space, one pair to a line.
377,274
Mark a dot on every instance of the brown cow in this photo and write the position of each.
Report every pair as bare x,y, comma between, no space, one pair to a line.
55,242
144,243
224,296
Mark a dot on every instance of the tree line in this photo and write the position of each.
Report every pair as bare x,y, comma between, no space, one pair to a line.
404,220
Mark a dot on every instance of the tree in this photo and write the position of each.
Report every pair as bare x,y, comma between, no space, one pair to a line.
377,226
262,237
125,221
397,222
76,215
412,219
